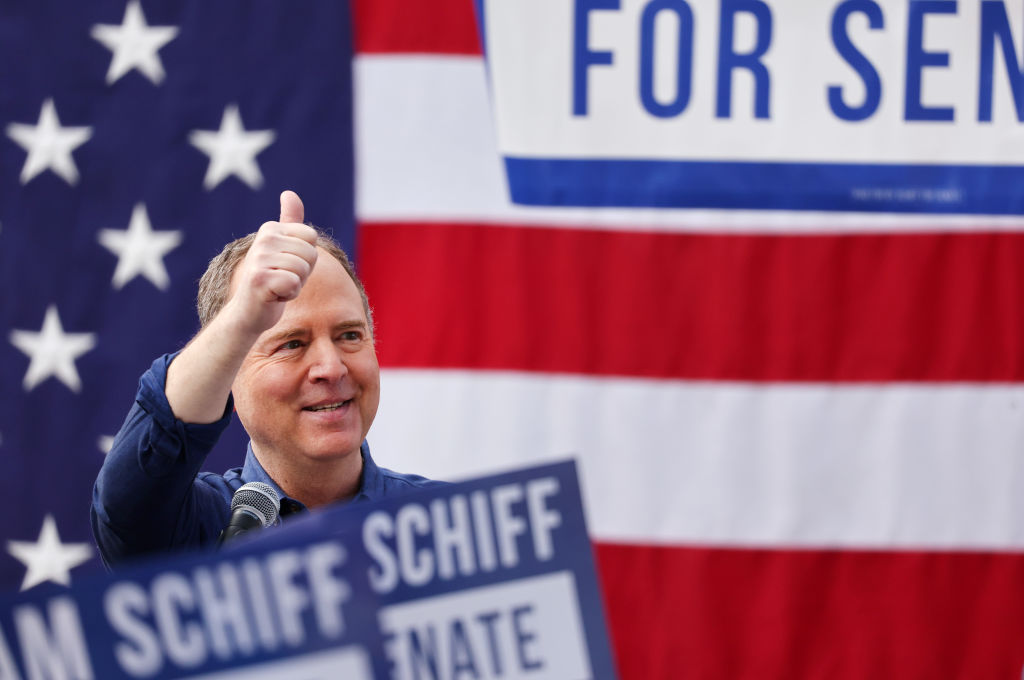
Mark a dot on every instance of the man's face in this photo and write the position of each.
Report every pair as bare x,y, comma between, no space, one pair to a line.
309,388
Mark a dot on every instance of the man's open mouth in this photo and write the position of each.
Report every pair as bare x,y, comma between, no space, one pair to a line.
328,407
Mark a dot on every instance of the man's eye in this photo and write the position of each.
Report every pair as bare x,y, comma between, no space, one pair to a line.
292,344
352,336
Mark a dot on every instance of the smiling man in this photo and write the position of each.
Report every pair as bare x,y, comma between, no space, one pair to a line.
287,342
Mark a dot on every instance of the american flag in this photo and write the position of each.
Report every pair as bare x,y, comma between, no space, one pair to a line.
137,139
799,434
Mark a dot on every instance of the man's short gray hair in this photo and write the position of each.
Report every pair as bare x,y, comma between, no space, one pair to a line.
215,285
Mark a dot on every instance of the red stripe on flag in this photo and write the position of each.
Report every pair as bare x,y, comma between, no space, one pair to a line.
396,26
720,613
879,307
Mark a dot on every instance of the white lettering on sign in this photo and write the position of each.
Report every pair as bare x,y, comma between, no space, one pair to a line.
54,650
527,629
461,535
223,609
8,671
225,612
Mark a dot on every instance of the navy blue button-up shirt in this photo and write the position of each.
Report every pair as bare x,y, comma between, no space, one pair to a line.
151,497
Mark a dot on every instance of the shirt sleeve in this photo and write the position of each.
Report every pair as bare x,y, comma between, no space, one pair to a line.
146,497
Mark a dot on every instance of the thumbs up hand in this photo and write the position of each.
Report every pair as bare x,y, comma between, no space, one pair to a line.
276,267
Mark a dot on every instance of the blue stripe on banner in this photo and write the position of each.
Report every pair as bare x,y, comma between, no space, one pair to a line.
790,186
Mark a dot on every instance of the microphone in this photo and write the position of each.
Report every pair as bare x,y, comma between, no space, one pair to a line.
255,505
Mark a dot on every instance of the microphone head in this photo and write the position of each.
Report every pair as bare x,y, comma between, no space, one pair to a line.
258,499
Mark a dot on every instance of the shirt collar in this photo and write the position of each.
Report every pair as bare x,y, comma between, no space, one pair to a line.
371,481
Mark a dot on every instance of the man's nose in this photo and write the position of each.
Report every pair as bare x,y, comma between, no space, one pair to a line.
326,361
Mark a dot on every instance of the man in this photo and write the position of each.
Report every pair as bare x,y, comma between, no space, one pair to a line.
287,342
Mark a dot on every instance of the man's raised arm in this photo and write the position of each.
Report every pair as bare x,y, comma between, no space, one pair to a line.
272,273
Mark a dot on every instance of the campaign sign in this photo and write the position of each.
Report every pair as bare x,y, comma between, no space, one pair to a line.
839,104
491,578
301,606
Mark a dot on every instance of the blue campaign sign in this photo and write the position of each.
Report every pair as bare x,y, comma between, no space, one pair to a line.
490,578
879,105
302,606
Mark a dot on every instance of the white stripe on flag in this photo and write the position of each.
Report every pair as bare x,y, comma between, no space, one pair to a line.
426,149
931,466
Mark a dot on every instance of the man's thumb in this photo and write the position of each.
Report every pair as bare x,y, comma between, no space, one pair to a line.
291,207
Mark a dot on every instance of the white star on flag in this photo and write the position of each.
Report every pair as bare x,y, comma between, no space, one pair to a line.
104,443
49,145
47,559
52,351
134,44
140,250
232,150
